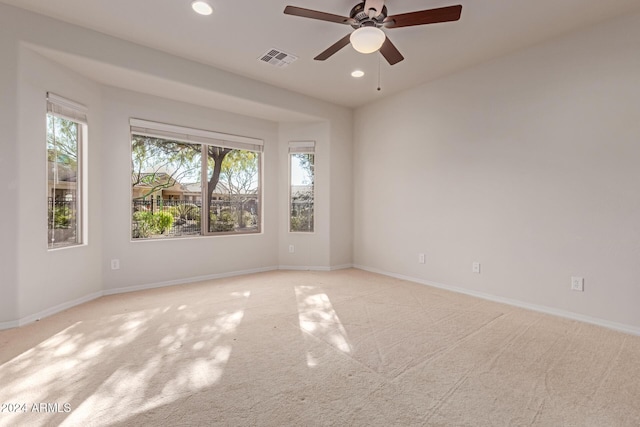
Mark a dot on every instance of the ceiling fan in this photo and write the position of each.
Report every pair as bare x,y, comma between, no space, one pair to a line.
367,18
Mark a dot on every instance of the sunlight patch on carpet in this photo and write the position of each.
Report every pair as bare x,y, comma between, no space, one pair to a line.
318,318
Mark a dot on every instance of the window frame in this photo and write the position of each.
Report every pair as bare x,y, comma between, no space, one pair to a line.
203,138
59,107
301,147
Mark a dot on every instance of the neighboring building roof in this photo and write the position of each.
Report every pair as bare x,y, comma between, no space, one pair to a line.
64,172
163,178
301,189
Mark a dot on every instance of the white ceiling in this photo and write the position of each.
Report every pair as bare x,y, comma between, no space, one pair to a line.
240,31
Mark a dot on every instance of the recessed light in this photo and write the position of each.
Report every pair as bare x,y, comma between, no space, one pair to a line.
201,7
357,73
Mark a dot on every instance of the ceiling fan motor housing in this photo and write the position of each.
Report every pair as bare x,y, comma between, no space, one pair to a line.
362,18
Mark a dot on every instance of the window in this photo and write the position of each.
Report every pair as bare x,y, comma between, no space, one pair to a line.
66,130
301,179
190,182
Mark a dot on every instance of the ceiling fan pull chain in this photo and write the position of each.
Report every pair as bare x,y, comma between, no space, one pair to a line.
378,73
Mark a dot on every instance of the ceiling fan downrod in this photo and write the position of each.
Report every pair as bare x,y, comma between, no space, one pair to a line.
364,18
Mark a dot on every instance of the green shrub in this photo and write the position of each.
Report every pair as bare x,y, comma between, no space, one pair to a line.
185,211
61,216
174,211
162,221
143,216
147,223
190,211
143,227
247,219
224,222
301,222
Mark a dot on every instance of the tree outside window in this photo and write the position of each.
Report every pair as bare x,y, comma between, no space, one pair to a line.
302,176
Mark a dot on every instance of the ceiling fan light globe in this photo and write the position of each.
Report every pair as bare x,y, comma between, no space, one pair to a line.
367,39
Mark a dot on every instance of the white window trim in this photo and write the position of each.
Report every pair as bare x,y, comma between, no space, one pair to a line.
300,147
67,109
185,134
204,138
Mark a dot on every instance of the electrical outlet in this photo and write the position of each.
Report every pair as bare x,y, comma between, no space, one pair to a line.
577,284
115,264
292,249
475,267
421,258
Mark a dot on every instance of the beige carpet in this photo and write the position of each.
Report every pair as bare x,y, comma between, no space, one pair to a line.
308,348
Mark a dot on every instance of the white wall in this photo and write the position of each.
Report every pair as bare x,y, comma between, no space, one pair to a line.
118,80
8,178
341,213
527,164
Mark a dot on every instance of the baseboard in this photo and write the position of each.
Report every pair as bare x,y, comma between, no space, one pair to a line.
340,267
188,280
304,268
314,268
64,306
9,325
61,307
516,303
56,309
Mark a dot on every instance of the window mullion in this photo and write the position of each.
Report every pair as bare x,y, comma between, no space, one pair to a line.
204,208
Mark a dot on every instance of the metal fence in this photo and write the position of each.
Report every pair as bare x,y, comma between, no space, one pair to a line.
238,214
61,213
62,222
301,215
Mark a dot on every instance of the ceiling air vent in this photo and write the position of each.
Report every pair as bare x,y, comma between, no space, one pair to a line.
277,57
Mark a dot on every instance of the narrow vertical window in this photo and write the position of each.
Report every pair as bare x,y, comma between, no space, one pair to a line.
301,186
66,130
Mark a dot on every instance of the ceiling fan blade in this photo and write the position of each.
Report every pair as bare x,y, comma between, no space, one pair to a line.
334,48
390,52
314,14
422,17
